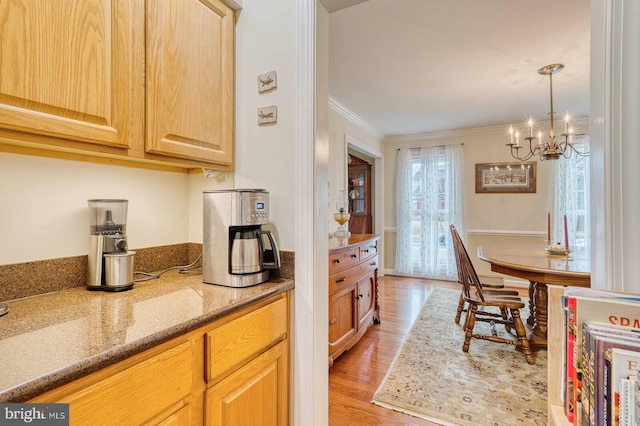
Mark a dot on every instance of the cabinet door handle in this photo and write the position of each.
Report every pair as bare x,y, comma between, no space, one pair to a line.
354,255
341,280
333,321
366,251
336,260
373,263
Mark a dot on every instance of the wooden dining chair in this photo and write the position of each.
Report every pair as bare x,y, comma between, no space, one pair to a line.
491,288
475,297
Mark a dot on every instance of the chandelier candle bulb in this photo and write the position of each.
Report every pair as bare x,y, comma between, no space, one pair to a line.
530,127
539,138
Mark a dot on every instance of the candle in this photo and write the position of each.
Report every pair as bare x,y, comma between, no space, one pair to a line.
567,118
511,135
530,127
549,227
539,137
517,138
566,234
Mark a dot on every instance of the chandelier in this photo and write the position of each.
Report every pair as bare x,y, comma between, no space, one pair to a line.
556,145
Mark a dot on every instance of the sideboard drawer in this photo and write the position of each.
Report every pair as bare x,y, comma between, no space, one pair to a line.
340,260
368,250
351,275
233,344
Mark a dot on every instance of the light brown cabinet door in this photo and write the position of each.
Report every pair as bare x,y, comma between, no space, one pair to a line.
366,300
67,71
257,394
342,317
189,77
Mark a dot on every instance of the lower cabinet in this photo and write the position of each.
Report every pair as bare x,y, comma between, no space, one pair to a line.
256,394
234,371
353,287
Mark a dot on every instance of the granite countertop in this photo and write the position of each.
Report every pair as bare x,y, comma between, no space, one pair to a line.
55,338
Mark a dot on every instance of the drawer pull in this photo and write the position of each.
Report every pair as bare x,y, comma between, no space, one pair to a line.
336,260
333,321
373,263
354,255
358,297
341,280
366,251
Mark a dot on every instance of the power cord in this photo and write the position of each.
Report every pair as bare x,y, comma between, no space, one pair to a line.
185,269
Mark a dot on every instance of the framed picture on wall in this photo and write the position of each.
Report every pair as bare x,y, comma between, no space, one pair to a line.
506,177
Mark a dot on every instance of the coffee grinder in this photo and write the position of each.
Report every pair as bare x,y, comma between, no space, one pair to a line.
110,263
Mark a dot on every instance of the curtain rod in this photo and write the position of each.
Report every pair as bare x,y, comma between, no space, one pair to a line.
434,146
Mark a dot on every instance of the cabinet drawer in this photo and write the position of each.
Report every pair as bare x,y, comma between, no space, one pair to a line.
351,275
343,259
233,344
368,250
137,394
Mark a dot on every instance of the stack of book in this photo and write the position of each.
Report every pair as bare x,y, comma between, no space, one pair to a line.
602,357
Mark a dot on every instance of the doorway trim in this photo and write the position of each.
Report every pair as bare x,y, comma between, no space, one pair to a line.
351,142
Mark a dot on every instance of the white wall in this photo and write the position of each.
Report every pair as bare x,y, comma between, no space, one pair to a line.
44,213
266,34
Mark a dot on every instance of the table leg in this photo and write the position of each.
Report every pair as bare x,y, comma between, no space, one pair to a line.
538,336
531,320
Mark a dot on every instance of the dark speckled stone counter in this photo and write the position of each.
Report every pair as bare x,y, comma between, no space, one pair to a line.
52,339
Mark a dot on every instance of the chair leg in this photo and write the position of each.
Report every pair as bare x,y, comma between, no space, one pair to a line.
468,326
505,317
523,342
460,309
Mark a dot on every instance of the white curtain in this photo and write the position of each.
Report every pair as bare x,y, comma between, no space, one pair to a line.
571,198
429,198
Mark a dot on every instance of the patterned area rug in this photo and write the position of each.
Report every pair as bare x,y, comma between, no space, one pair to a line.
491,385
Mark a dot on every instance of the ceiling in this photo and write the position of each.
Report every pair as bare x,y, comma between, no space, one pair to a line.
419,66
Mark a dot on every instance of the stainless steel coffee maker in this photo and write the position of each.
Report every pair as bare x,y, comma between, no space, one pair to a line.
236,251
110,263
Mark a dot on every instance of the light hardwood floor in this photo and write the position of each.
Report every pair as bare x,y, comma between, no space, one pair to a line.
356,375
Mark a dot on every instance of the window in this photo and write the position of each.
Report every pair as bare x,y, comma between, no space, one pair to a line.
430,182
571,197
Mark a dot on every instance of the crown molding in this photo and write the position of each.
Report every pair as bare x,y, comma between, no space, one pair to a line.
335,105
583,122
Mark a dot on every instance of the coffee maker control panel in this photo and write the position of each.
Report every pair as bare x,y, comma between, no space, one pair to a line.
254,208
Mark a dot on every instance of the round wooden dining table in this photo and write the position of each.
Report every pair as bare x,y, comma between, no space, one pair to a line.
540,268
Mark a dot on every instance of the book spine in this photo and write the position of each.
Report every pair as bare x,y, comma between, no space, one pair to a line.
606,389
583,387
624,389
570,369
637,404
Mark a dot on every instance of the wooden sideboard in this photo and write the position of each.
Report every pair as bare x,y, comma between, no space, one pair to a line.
353,291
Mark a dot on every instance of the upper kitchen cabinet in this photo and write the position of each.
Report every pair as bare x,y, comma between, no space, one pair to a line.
66,72
129,81
190,79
